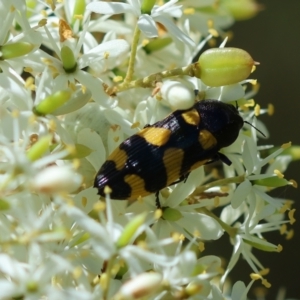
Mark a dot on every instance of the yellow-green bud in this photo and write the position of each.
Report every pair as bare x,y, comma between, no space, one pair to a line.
68,59
39,148
157,44
242,9
79,9
131,229
273,181
80,151
171,214
264,246
224,66
4,205
13,50
52,102
147,6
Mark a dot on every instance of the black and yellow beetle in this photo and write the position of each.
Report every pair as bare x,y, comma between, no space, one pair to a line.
167,151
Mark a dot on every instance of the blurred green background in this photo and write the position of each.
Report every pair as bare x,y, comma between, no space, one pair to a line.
273,39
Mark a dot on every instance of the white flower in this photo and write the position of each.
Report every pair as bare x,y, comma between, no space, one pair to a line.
146,22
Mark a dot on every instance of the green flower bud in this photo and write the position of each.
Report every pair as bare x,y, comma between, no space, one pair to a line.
13,50
157,44
147,6
39,148
131,229
68,59
4,205
273,181
224,66
242,9
79,9
264,246
171,214
80,151
52,102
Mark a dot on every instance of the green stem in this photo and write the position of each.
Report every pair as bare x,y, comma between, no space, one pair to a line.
220,182
130,70
151,80
108,272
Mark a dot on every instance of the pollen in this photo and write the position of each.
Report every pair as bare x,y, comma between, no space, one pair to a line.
286,145
271,109
293,183
107,190
257,110
42,23
78,17
291,216
99,206
65,31
290,234
278,174
106,55
201,246
216,201
189,11
135,125
117,78
84,201
283,229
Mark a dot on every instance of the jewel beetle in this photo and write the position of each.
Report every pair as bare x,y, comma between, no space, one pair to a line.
167,151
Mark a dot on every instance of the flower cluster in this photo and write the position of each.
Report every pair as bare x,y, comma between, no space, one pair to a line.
77,78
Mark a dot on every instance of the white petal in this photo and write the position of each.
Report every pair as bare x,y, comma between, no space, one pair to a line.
107,50
238,291
93,141
175,31
109,8
208,228
241,193
147,26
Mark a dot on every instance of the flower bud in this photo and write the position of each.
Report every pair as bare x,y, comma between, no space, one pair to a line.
179,94
39,148
242,9
140,286
79,9
55,179
68,59
13,50
130,229
171,214
52,102
224,66
157,44
273,181
147,6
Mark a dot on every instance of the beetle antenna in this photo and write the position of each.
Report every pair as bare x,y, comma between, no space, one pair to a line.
255,128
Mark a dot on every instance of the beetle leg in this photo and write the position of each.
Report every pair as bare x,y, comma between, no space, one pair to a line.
220,156
157,200
182,178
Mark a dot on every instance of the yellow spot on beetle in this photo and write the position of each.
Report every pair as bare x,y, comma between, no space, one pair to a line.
206,139
172,161
198,164
191,117
119,157
137,185
155,135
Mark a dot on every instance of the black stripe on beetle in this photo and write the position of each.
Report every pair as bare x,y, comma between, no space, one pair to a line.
167,151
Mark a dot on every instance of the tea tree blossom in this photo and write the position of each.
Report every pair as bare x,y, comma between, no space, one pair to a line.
78,77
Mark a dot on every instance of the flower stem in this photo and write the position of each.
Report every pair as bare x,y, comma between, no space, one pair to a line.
135,41
151,80
220,182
